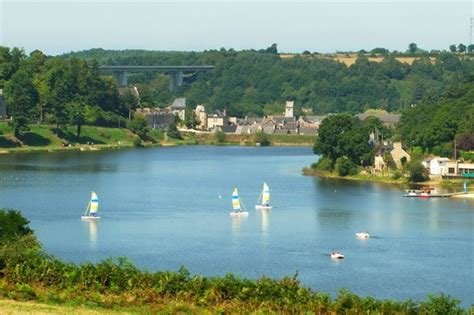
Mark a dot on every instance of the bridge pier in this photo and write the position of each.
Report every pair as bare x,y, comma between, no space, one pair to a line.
176,79
121,78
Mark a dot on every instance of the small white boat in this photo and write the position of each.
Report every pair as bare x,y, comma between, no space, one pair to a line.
362,235
264,199
92,208
337,255
236,205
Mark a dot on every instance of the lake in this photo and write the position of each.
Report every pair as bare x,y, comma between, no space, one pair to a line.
167,207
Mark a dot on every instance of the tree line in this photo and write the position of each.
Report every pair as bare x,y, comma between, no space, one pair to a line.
256,83
58,91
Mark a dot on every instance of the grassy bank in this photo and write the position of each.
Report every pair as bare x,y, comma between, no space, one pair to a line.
309,171
47,138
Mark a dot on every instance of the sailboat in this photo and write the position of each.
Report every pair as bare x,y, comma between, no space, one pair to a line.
236,205
92,208
264,199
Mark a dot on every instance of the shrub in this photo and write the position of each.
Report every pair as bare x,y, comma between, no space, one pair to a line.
173,132
137,141
138,126
219,136
397,175
324,164
416,171
345,167
262,138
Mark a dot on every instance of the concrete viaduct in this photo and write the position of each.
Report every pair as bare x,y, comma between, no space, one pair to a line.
176,72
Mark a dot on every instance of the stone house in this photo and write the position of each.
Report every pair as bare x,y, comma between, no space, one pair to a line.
398,154
217,119
179,108
201,116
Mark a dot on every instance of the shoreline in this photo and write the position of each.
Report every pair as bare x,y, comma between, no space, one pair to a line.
308,171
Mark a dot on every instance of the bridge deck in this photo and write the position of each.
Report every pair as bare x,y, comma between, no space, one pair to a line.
157,68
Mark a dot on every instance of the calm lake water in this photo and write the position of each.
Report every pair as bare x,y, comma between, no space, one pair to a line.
168,207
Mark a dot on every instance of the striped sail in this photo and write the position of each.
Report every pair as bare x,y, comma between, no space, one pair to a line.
266,194
94,205
235,200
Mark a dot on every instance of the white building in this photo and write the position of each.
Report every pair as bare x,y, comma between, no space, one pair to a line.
289,109
438,166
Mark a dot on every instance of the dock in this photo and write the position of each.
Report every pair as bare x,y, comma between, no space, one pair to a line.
448,195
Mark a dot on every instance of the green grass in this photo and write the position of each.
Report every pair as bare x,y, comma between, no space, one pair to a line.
46,137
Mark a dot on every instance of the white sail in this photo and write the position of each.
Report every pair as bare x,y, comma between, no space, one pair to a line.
265,195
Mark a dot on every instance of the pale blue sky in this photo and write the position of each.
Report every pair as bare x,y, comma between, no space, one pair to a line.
62,26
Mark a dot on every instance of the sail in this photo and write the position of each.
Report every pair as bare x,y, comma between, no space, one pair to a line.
235,200
265,194
94,204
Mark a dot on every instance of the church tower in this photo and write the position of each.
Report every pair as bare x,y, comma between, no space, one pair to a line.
289,108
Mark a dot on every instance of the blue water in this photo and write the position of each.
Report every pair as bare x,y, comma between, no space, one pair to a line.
168,207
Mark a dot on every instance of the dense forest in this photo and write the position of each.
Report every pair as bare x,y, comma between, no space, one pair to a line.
258,82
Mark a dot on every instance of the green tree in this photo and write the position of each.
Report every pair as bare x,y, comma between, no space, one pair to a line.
416,171
12,225
219,136
22,100
138,125
412,48
173,131
462,48
262,138
470,48
452,48
77,115
344,166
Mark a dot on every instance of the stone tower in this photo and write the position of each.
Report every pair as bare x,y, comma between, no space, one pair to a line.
289,108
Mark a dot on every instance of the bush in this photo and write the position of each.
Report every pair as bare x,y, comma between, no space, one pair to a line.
137,141
138,126
416,171
219,136
345,167
397,175
12,225
262,138
324,164
173,132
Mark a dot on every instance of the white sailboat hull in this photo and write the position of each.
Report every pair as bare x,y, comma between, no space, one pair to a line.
260,207
89,217
239,214
362,235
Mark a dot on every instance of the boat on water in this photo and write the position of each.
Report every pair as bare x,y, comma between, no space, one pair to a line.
264,199
362,235
424,192
92,208
337,255
236,205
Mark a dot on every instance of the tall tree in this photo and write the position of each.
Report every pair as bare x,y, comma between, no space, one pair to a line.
412,48
22,99
452,48
462,48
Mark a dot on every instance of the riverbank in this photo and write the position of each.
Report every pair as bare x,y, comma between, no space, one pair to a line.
309,171
47,139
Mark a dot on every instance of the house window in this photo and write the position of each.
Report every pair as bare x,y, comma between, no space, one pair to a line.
451,170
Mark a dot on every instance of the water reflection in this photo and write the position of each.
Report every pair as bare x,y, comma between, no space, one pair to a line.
236,225
92,226
265,214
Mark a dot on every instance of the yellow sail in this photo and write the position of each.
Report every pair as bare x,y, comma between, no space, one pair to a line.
265,195
235,200
94,203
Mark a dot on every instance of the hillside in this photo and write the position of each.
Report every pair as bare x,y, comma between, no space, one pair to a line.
258,82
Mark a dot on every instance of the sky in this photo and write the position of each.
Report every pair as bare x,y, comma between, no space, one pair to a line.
57,27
